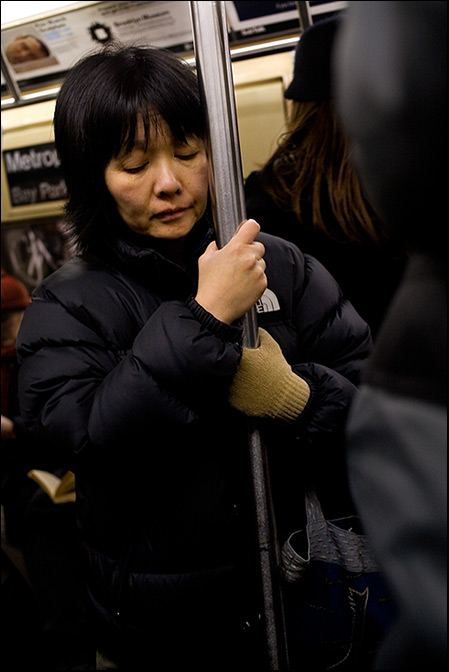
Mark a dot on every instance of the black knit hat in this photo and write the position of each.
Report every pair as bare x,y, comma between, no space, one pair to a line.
312,72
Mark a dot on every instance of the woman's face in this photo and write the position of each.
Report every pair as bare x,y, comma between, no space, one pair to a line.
25,48
160,191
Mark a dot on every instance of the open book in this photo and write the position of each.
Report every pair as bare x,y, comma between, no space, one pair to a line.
61,490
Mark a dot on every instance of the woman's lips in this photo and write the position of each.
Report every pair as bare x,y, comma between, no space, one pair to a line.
168,215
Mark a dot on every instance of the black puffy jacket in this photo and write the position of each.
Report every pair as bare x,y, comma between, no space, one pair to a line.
368,273
129,376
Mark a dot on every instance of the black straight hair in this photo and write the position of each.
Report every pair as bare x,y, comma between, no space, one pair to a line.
96,116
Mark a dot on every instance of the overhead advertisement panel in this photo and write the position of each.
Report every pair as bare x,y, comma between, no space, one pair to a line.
53,44
260,19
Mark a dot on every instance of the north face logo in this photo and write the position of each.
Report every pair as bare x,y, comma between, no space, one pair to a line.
268,302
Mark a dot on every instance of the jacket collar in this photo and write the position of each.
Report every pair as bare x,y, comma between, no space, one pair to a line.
137,256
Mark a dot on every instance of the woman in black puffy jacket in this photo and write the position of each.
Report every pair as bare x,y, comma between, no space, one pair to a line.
132,364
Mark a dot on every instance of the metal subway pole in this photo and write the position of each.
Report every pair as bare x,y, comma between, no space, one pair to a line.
214,69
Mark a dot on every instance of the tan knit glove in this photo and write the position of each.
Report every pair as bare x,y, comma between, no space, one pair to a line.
265,385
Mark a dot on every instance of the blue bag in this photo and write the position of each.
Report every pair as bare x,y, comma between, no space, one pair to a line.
337,605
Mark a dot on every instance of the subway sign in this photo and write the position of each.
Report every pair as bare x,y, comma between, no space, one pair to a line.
34,174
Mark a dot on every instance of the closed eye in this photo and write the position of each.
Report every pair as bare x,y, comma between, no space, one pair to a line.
186,157
137,169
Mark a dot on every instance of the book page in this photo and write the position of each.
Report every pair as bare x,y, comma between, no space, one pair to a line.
67,483
60,490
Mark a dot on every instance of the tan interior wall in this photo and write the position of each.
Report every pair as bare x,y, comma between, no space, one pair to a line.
261,108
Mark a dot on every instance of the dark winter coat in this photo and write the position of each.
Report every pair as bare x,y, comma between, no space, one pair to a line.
397,459
396,118
368,273
126,373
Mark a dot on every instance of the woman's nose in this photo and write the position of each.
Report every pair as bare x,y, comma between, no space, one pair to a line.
167,181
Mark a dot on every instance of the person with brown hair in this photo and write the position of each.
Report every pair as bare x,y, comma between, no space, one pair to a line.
309,193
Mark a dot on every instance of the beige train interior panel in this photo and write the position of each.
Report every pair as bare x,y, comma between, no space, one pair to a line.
261,112
261,108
